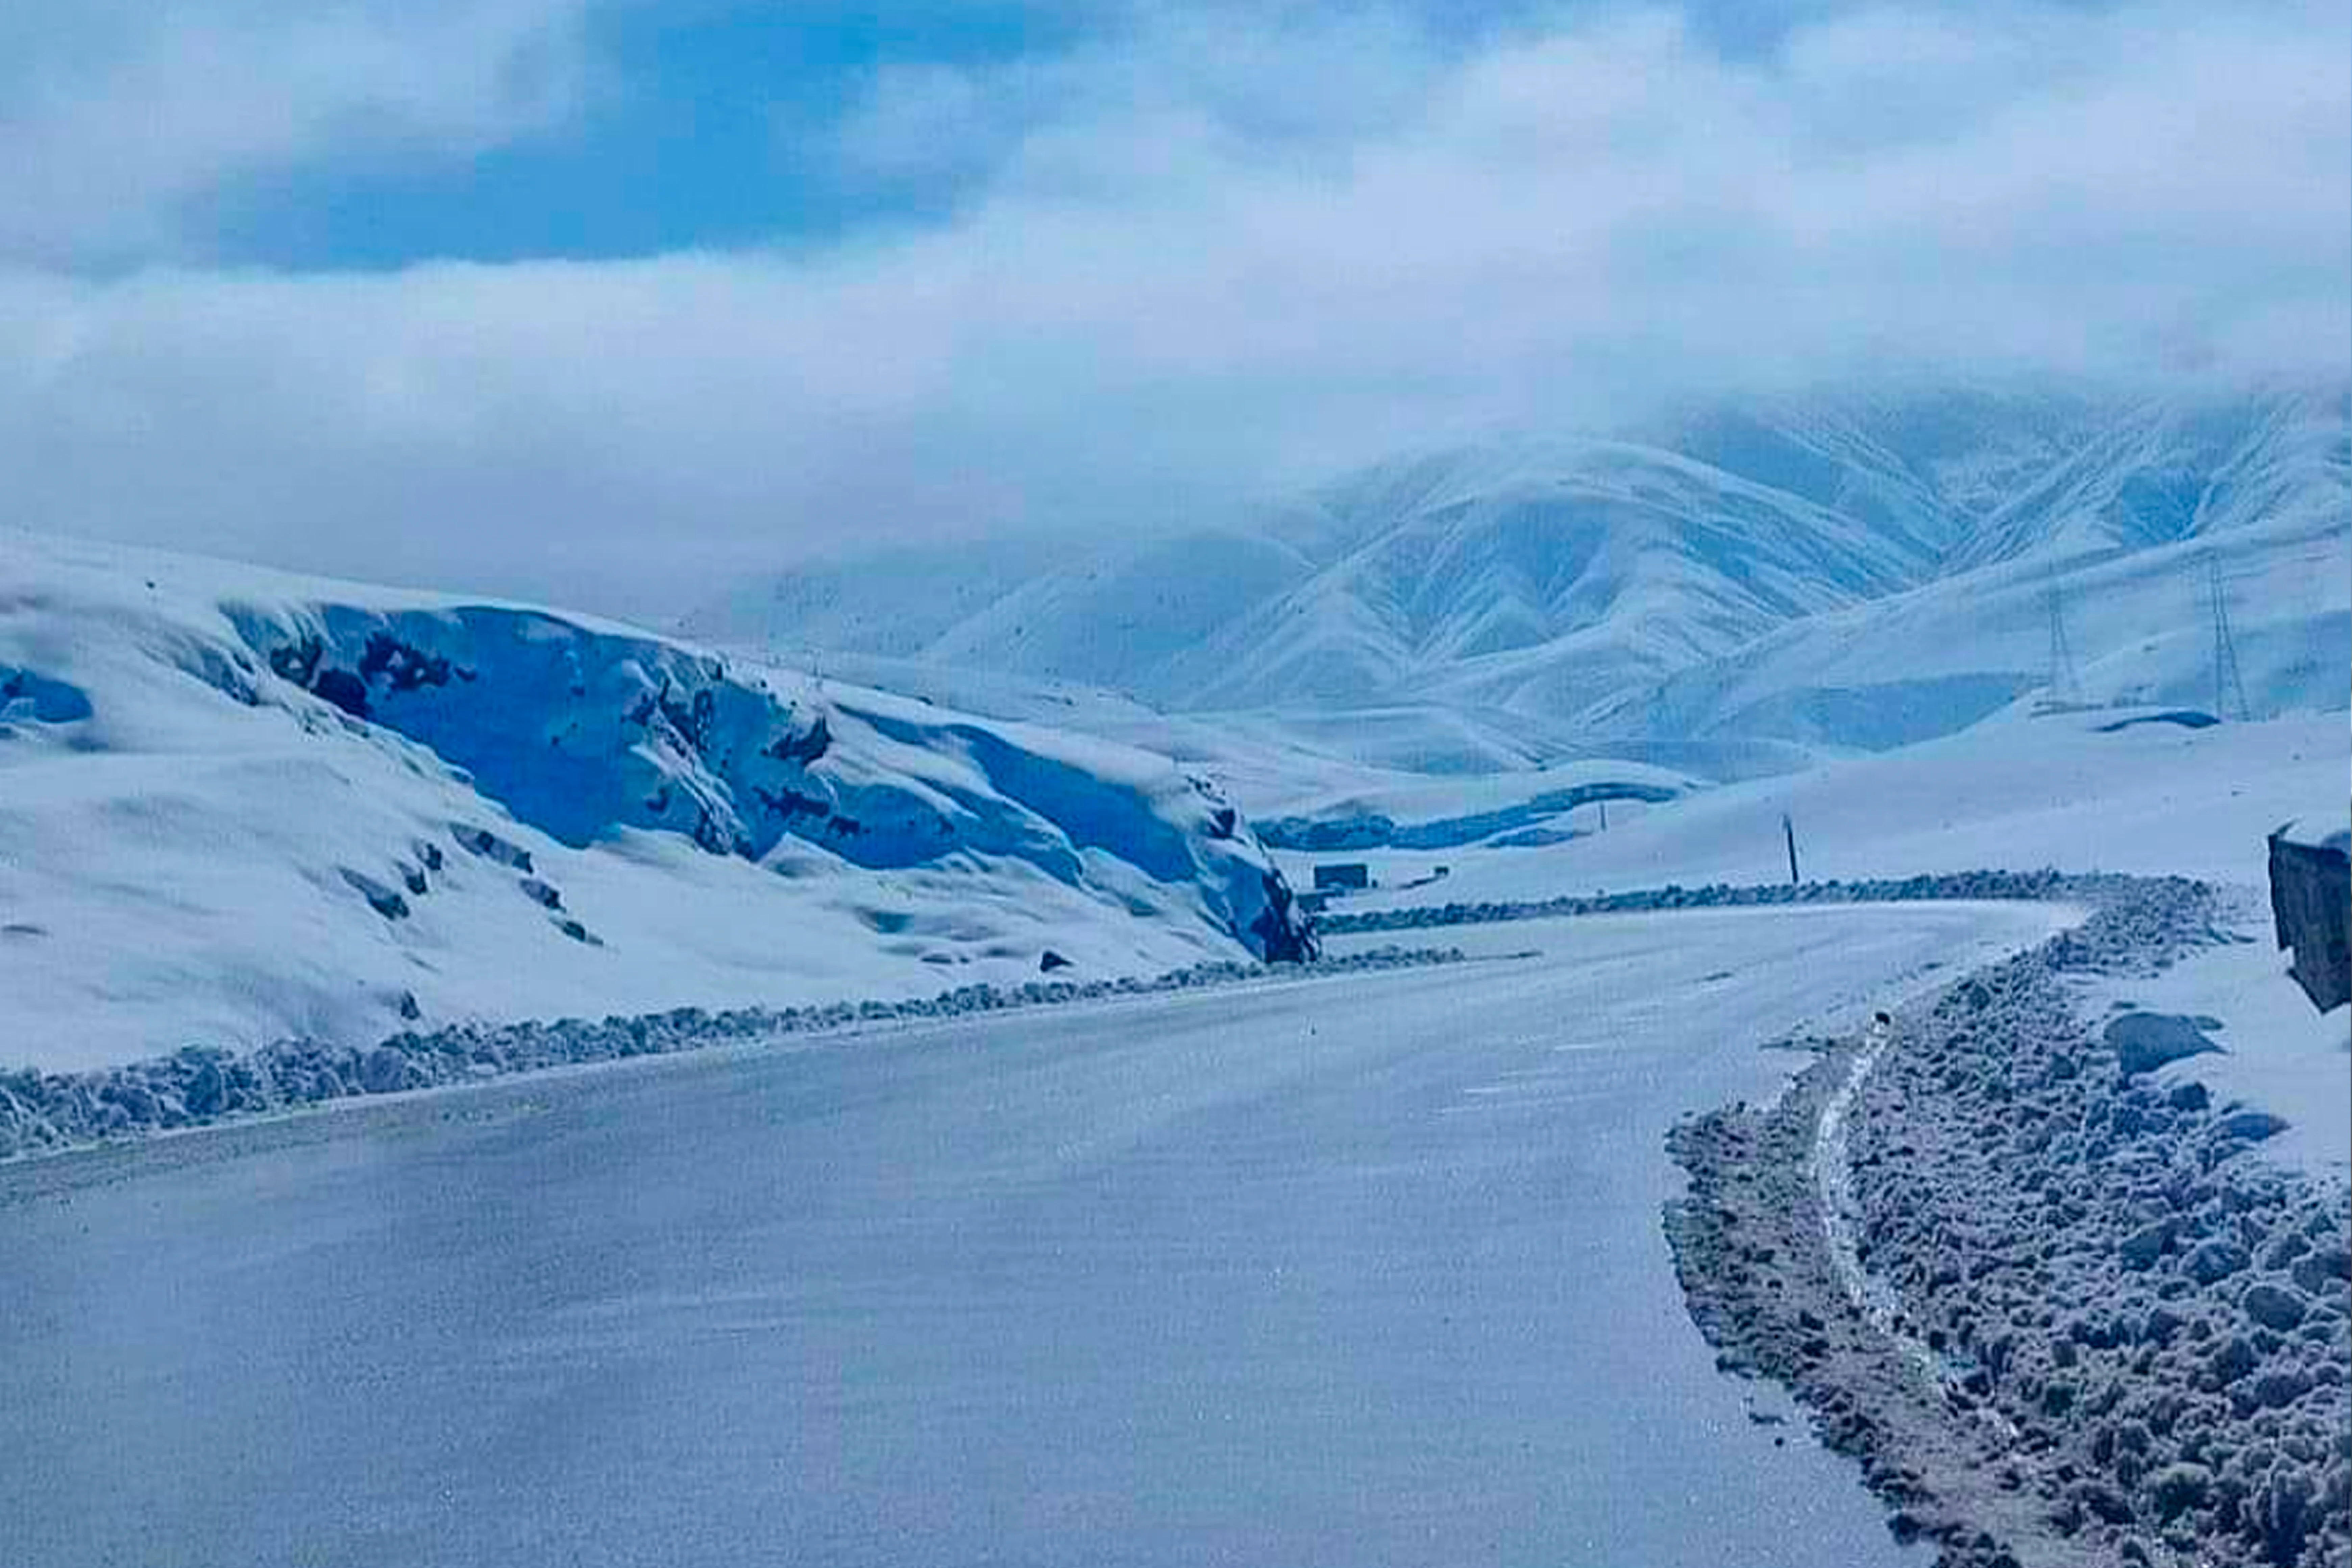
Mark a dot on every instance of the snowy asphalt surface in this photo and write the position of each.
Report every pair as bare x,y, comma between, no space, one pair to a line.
1354,1271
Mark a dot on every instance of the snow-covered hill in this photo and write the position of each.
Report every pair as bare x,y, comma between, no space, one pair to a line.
1593,584
1547,575
2159,471
2139,627
236,806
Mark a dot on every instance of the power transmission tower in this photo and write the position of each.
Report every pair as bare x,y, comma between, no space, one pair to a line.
2065,680
2227,681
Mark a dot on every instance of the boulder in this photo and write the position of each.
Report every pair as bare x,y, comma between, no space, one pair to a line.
2273,1306
2216,1260
385,1071
2143,1247
2178,1488
2250,1126
2323,1271
2274,1390
2144,1042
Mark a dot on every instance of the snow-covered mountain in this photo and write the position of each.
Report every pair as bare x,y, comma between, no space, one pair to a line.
237,806
2139,627
1592,584
1555,573
2160,471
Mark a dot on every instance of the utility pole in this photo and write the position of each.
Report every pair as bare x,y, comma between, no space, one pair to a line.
1789,831
2227,681
1603,803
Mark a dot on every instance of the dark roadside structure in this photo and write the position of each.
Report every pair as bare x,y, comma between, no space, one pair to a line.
2311,904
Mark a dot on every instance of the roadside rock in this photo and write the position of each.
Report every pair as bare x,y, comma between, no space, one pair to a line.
2273,1306
2316,1273
2210,1261
2250,1126
2144,1042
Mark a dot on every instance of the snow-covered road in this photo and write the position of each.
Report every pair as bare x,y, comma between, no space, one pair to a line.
1359,1271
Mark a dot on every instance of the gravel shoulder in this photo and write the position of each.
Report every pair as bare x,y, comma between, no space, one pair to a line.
2061,1311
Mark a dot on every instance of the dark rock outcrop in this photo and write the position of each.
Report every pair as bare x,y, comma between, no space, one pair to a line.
1284,933
2311,904
2144,1042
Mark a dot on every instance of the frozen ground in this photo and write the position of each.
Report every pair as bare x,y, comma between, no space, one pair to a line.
1354,1272
2154,799
237,806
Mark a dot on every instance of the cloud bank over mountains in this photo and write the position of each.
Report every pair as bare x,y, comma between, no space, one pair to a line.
1170,264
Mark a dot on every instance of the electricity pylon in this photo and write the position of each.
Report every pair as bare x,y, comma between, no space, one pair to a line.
2227,683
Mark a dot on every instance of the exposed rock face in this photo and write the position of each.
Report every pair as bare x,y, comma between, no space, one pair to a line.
2311,904
1285,934
584,730
574,729
345,690
44,700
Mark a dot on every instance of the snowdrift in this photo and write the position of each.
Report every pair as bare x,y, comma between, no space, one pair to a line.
237,806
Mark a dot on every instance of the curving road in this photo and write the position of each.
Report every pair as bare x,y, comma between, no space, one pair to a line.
1351,1272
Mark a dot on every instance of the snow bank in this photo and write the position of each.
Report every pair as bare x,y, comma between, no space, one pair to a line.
2045,886
240,806
49,1112
2264,1042
2094,1326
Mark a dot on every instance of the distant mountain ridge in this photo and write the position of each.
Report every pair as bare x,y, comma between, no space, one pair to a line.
1580,579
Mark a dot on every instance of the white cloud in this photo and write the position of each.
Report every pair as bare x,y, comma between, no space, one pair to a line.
1259,83
927,121
1156,300
116,116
